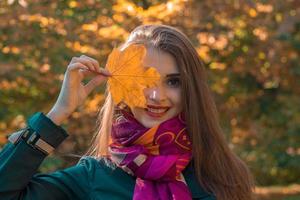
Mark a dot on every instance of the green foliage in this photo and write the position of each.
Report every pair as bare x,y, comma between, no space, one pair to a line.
292,198
50,164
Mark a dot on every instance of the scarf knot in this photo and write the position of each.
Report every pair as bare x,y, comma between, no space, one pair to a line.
156,156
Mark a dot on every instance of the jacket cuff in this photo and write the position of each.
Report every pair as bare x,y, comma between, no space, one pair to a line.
47,129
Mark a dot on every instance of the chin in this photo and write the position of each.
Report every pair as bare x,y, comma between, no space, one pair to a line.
149,123
150,119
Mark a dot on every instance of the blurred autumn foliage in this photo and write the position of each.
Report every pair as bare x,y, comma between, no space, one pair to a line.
251,50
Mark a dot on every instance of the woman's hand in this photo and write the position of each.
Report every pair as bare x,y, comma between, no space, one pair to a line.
73,92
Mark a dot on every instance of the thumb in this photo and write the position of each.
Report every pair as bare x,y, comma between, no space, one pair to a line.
92,84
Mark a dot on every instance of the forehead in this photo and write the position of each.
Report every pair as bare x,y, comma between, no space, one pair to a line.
163,62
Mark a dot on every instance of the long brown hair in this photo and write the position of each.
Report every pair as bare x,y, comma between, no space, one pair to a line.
218,169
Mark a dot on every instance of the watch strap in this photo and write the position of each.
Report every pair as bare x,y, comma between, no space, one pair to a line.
32,138
41,133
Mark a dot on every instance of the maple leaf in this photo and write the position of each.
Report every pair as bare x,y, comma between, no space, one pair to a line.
129,76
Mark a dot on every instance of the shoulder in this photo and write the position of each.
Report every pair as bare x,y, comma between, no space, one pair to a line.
197,191
107,180
94,166
99,167
93,163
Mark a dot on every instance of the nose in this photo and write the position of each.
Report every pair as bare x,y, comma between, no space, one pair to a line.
155,94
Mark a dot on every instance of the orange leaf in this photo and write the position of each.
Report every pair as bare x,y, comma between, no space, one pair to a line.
129,76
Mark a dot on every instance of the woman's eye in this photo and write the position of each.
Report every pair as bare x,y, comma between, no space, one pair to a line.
173,82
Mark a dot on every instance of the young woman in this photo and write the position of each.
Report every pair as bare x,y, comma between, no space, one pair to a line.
173,148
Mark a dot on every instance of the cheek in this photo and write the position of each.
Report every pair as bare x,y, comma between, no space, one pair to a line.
175,97
137,112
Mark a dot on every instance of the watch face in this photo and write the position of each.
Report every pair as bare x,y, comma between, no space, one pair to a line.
44,146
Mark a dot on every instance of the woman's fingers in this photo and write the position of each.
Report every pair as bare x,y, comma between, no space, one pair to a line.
83,61
86,61
92,61
85,73
105,72
91,64
76,66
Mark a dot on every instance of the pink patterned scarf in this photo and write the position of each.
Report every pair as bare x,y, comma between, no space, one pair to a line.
156,156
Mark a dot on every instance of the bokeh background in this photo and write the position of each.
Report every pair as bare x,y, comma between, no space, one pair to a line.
250,48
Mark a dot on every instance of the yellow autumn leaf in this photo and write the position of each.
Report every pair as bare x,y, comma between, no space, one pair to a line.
129,76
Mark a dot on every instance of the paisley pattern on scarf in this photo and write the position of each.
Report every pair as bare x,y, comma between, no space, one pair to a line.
156,156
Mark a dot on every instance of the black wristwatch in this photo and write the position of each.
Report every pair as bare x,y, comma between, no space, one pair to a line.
32,138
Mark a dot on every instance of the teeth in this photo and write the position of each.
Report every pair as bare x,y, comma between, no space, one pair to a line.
157,110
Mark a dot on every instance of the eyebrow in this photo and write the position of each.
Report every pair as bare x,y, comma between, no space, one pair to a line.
172,75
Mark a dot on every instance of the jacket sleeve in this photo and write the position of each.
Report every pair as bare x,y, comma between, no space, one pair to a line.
19,164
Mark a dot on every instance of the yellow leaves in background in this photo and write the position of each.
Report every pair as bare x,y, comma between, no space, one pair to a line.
220,86
154,13
217,65
113,32
93,104
73,4
216,42
11,49
260,8
76,46
203,52
129,77
44,21
264,8
261,33
17,83
17,122
103,20
90,27
164,10
3,139
126,6
22,3
252,12
45,68
208,42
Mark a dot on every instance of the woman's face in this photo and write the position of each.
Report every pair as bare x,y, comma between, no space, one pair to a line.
164,100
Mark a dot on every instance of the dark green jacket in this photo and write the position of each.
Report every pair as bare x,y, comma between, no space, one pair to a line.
90,179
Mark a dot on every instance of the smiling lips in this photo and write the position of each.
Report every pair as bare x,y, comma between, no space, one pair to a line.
156,111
